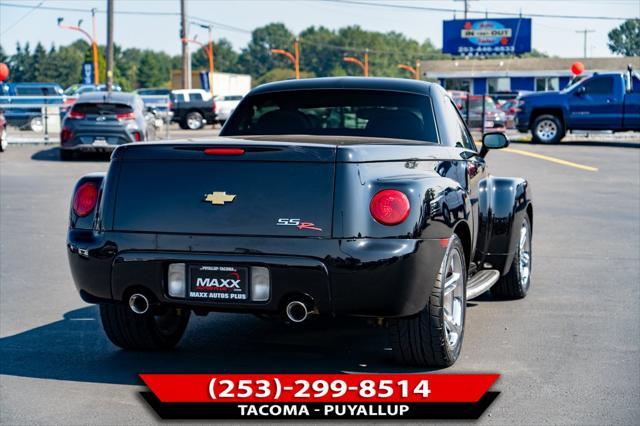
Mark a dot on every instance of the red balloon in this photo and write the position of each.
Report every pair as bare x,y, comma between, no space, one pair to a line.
577,68
4,72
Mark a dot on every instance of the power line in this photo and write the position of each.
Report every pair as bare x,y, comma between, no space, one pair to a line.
31,10
496,13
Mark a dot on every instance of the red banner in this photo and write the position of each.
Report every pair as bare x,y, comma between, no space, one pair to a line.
333,388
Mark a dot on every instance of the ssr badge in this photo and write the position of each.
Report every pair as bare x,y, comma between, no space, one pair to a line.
300,224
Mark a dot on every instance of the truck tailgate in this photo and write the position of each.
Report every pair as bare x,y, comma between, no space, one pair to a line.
257,194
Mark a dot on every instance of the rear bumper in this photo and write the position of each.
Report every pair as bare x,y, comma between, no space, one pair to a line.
364,277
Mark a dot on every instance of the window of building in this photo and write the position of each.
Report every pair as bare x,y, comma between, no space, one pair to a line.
545,84
457,84
499,84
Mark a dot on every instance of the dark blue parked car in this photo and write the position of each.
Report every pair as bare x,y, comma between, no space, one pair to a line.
29,118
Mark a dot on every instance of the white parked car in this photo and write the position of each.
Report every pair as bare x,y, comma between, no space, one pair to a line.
225,105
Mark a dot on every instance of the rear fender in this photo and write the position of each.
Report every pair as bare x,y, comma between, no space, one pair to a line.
502,204
438,202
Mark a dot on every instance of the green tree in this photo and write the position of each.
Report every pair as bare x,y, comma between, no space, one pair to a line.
256,59
625,40
38,64
150,70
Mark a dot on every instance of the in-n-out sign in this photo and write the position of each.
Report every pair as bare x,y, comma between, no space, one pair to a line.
485,32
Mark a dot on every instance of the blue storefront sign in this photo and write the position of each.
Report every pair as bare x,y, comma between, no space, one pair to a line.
87,73
486,37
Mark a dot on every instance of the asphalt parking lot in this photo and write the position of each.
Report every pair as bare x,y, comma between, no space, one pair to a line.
568,353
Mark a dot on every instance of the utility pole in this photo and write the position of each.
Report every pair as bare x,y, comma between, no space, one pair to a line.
109,46
466,8
186,58
585,32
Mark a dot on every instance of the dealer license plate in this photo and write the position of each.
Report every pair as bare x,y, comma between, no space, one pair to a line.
100,142
218,283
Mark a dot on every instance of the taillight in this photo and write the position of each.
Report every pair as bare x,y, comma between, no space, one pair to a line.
126,116
213,107
85,199
65,134
75,115
170,105
390,207
137,137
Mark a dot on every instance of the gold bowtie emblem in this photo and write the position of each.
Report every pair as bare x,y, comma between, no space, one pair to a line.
219,198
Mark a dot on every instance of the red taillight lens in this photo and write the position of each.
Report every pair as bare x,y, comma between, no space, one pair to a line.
75,115
390,207
65,134
137,137
85,199
126,116
213,107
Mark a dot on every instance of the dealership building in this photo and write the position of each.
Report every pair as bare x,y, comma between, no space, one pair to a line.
503,74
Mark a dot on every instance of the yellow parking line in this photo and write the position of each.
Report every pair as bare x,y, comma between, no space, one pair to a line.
547,158
552,159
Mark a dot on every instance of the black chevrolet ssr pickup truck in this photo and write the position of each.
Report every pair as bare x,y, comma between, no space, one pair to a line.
329,196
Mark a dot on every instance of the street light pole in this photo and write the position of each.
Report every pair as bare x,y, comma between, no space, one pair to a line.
92,39
585,32
295,58
363,65
208,49
415,71
94,47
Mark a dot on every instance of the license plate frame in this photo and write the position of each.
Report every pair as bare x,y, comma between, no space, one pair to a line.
218,283
99,141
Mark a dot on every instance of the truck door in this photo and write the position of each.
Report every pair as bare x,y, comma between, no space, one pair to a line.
597,104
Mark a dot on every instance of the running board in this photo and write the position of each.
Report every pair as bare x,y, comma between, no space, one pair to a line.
481,282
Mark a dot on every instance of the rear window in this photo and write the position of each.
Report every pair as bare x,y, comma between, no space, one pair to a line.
338,112
102,108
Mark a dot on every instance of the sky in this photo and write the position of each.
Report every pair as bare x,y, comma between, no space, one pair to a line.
554,36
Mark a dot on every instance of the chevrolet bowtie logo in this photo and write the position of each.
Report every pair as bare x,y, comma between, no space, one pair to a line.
219,198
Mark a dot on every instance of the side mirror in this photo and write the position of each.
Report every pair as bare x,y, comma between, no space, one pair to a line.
493,140
581,91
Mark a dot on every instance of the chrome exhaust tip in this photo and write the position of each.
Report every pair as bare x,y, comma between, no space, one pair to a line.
139,303
297,311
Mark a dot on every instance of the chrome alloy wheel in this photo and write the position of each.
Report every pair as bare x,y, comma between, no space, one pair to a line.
546,130
193,122
524,254
453,300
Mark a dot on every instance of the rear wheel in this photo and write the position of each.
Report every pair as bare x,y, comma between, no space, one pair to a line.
433,337
35,124
547,129
516,283
194,120
149,331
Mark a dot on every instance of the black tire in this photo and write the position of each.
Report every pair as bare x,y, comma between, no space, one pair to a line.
129,330
194,117
547,129
516,283
422,339
66,155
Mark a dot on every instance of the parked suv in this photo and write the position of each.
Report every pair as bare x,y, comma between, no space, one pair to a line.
193,108
101,122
